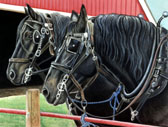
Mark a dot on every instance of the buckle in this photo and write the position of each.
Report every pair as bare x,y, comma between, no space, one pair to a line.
38,53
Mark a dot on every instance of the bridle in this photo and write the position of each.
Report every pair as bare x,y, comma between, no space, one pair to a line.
46,30
85,39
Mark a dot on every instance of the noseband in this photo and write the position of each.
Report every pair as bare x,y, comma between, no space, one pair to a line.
46,29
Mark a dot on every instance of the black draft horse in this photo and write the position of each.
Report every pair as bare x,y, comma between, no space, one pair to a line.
128,53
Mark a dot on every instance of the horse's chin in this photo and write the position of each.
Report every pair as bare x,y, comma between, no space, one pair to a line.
61,100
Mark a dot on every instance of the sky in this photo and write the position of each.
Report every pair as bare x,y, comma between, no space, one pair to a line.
157,7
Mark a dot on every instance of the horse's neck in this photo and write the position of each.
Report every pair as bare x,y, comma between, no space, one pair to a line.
121,73
100,85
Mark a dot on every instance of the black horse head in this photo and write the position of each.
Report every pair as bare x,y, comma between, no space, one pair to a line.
34,34
71,61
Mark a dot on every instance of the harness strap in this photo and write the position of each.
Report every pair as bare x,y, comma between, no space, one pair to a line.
19,60
42,51
26,60
45,47
51,39
159,88
140,85
91,28
106,72
91,80
144,98
81,60
78,86
39,71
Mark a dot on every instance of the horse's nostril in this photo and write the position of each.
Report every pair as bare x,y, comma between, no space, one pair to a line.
45,92
12,74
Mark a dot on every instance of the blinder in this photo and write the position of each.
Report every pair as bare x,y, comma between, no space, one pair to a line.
74,43
36,37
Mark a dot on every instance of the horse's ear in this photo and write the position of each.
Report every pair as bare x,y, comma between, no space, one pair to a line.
82,20
74,16
29,11
26,11
83,14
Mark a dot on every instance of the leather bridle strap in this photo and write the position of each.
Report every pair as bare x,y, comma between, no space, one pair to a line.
109,74
26,60
78,86
39,71
45,47
42,51
50,27
19,60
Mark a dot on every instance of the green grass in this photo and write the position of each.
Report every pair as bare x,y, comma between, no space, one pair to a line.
19,102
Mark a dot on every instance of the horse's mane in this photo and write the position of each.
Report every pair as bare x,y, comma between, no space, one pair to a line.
60,24
125,40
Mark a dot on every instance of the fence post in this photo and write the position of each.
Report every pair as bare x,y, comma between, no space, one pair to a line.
33,108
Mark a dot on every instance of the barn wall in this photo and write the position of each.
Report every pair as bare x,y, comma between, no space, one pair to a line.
94,7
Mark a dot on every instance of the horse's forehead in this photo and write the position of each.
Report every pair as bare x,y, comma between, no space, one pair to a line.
72,27
32,24
36,26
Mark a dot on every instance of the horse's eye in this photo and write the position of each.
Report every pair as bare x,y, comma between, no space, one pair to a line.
28,35
36,37
73,46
